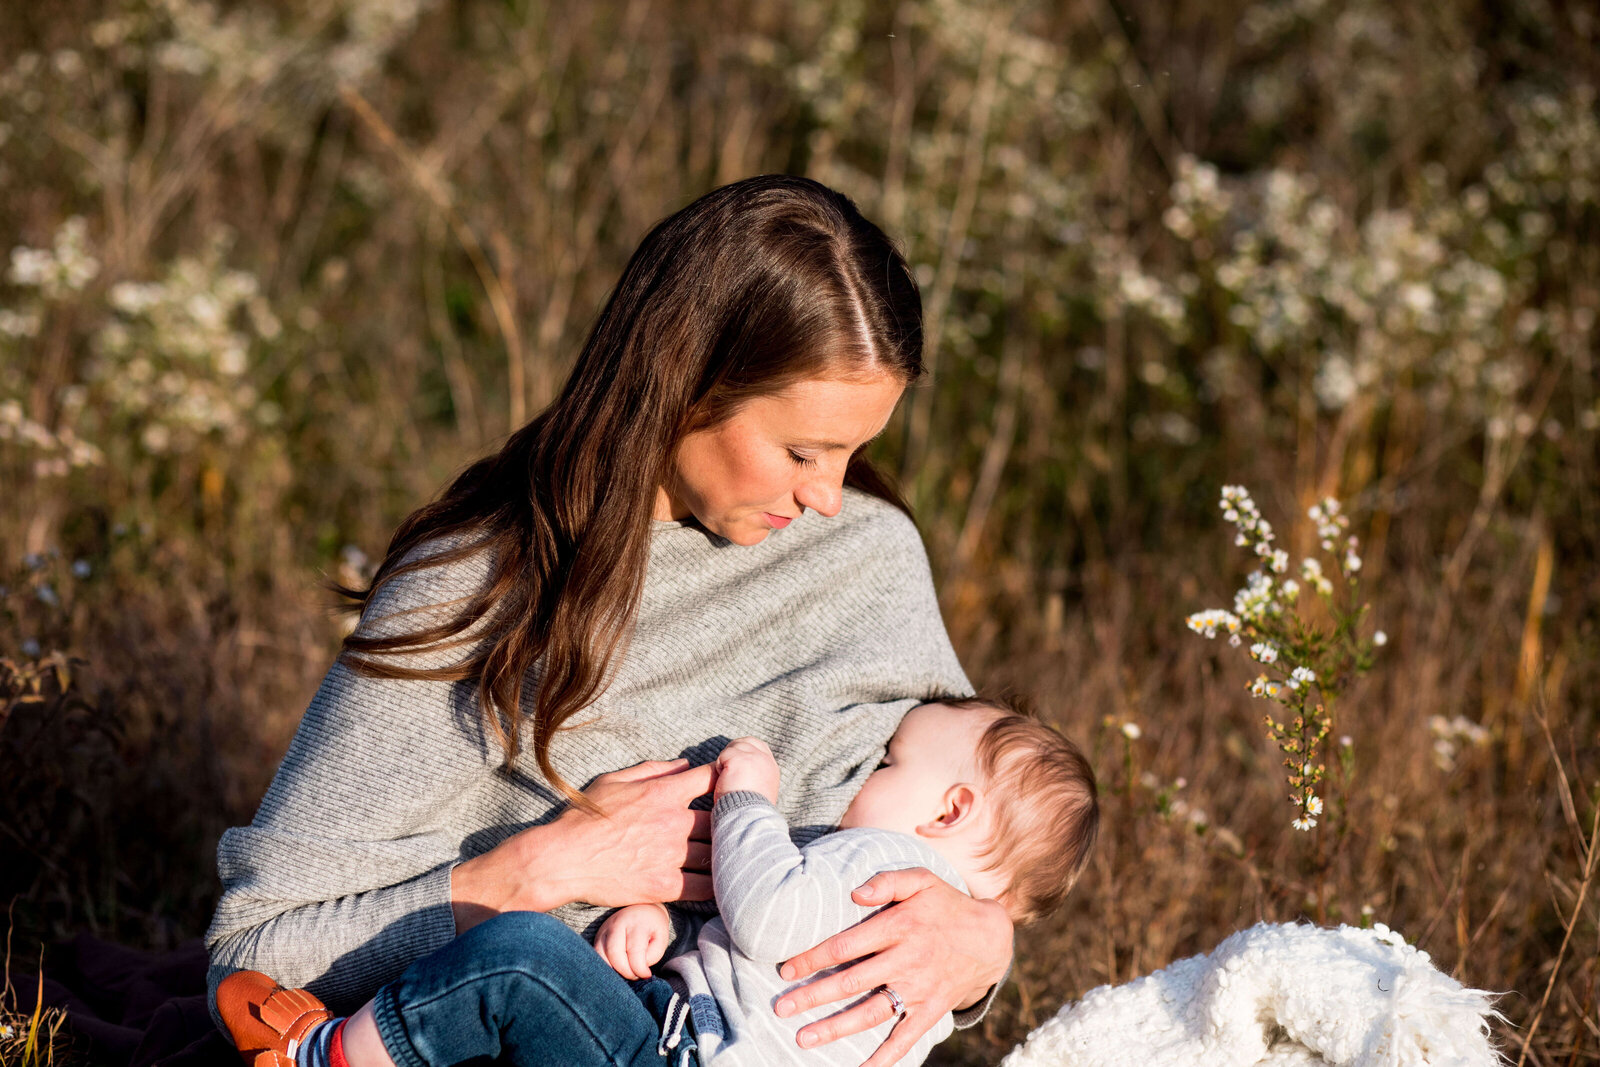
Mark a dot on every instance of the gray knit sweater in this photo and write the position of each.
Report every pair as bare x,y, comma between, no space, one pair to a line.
816,640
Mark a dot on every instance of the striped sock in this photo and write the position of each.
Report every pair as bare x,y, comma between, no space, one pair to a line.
323,1047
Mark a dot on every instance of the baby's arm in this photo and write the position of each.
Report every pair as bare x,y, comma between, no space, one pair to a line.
775,902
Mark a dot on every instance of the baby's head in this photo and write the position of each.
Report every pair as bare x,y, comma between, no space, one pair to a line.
1007,800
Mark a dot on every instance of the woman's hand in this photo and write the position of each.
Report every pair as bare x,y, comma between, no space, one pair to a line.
647,846
937,948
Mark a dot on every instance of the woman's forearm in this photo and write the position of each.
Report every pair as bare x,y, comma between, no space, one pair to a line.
533,871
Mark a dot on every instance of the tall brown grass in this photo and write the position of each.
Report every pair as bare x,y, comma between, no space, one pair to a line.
1312,248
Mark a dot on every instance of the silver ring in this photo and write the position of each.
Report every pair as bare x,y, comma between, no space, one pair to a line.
895,1002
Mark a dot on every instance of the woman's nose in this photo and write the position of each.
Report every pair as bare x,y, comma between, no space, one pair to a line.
823,494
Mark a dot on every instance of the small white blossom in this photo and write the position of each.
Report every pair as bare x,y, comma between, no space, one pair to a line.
1303,823
1264,651
1380,639
1131,731
1311,574
1313,805
1207,623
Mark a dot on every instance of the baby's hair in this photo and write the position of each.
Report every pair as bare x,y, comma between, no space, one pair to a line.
1046,807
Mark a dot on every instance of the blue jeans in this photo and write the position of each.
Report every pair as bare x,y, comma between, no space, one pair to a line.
522,988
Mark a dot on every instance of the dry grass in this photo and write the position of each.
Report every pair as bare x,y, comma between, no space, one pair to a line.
28,1037
432,203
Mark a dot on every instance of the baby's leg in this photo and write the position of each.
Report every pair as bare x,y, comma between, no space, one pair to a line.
363,1045
521,985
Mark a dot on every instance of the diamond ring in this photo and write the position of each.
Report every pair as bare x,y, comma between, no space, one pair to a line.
895,1002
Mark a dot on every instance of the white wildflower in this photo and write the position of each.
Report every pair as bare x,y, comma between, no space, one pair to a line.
1303,823
1313,805
1207,623
1264,651
1311,574
1380,639
1131,731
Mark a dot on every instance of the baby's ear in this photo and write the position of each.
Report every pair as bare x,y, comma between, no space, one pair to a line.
958,809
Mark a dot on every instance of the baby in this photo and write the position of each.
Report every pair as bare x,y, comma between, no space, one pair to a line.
995,803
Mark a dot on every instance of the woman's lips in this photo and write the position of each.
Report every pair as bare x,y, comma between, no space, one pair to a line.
777,522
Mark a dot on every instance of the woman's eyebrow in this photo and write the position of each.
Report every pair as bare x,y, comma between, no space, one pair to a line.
835,446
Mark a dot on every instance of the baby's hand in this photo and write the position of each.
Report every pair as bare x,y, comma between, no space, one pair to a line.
634,938
747,765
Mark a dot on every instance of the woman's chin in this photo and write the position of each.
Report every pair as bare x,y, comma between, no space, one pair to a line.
746,534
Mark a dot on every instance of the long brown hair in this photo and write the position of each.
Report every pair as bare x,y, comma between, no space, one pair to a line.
751,288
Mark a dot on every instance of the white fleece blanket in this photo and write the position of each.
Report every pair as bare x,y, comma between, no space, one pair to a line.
1278,995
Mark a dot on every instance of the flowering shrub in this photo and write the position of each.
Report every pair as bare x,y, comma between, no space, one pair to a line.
41,278
1305,661
173,362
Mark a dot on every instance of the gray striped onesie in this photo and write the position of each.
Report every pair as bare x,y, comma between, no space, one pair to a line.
775,901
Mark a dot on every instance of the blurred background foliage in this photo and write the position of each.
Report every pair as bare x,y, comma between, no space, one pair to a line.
275,270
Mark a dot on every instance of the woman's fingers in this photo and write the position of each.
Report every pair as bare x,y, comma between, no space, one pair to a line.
905,1034
696,886
863,939
640,772
859,980
647,838
895,885
693,781
874,1010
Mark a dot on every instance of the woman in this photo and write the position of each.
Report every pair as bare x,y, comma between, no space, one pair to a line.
636,574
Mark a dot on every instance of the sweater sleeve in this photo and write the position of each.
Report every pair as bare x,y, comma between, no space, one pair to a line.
343,877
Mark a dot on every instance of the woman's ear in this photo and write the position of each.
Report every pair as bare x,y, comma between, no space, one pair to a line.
958,809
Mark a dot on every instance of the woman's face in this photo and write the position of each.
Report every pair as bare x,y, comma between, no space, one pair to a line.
776,456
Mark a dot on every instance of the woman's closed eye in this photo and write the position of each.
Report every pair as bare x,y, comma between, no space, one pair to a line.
802,460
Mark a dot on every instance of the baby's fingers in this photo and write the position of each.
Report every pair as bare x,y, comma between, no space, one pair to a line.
638,959
612,947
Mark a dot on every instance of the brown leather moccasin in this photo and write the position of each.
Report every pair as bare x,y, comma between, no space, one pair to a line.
263,1018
